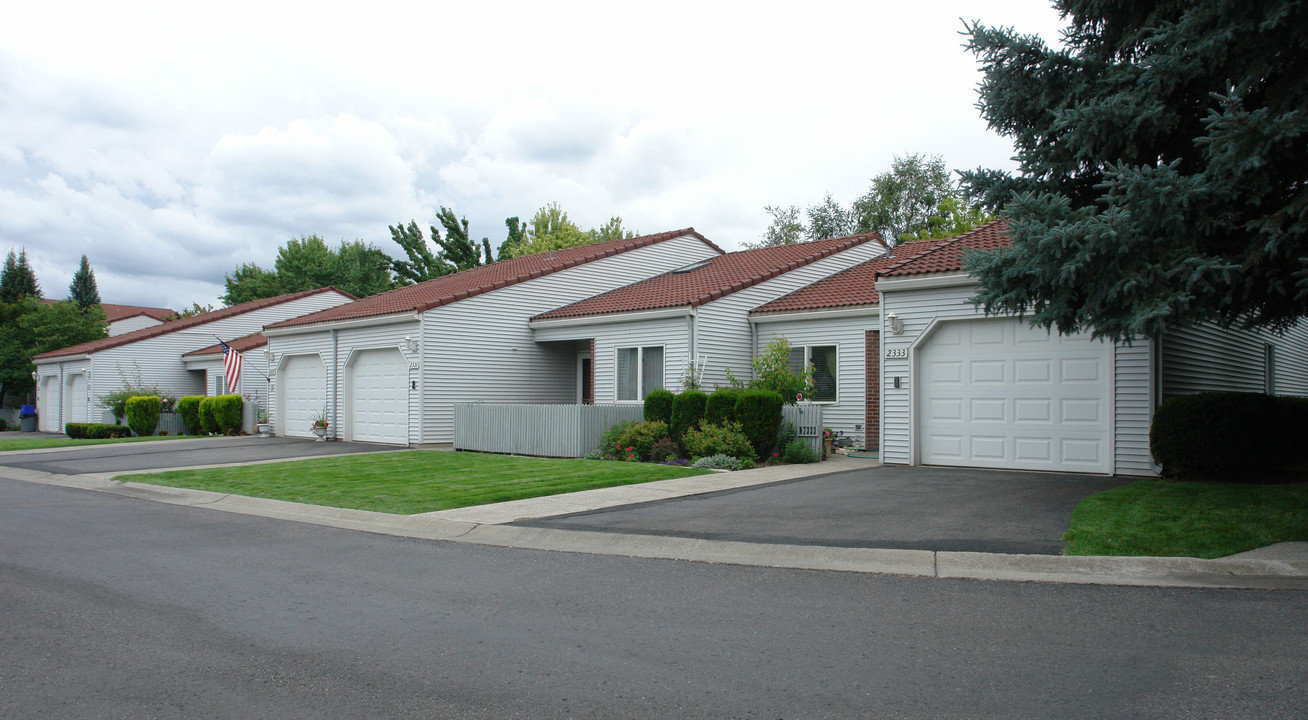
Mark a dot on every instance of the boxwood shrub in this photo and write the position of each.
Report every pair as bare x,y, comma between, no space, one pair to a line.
1228,436
189,408
227,414
658,406
759,413
208,425
721,406
96,431
687,411
143,414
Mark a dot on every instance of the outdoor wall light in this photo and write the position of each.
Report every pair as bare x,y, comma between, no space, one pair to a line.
410,343
896,325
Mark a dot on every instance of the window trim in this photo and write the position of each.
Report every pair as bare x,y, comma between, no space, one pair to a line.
808,360
640,379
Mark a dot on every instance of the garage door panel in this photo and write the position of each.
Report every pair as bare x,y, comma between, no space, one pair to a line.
77,399
50,404
379,391
302,388
1027,400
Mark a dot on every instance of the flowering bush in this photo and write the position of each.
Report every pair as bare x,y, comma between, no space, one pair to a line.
641,437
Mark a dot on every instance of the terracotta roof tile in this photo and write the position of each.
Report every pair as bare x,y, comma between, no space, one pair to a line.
476,281
710,280
181,324
949,257
852,287
240,345
122,312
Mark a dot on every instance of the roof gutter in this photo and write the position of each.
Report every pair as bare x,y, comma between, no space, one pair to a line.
60,358
606,318
407,316
925,282
817,314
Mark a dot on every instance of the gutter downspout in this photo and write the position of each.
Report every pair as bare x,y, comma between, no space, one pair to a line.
690,344
336,369
753,344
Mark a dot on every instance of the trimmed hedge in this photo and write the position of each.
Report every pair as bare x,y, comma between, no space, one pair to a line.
143,414
208,425
687,411
189,408
221,414
96,431
658,406
721,406
759,414
1228,436
709,439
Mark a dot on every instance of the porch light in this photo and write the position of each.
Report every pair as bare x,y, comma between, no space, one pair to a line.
410,343
896,325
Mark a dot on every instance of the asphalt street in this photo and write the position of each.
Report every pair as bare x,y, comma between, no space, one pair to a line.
920,508
117,607
189,452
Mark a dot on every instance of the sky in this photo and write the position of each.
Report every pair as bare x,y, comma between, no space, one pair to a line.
171,142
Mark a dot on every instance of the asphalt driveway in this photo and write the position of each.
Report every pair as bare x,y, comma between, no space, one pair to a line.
124,457
880,507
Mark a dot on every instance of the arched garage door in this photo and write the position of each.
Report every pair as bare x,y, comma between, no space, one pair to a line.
48,410
996,393
378,399
301,394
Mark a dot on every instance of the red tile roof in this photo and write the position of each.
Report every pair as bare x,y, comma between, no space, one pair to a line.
240,345
181,324
476,281
949,257
713,279
852,287
122,312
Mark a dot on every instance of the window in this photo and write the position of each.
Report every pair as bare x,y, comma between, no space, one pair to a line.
219,384
823,360
639,372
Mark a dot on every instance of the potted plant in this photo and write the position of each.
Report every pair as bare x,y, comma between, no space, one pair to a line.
320,425
264,427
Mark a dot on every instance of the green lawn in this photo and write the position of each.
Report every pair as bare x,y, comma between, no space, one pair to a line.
416,481
22,443
1188,519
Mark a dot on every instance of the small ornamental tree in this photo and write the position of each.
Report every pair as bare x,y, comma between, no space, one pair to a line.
772,371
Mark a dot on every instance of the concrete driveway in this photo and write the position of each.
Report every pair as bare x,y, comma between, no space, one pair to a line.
881,507
160,454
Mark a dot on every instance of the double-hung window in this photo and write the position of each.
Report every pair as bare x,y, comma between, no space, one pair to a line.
640,372
823,360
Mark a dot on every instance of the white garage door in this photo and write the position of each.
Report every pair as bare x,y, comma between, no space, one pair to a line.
379,397
49,406
76,400
302,391
997,393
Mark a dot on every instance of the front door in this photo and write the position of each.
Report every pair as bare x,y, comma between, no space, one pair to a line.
585,380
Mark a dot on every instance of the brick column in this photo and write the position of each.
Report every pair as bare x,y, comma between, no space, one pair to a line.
590,381
873,398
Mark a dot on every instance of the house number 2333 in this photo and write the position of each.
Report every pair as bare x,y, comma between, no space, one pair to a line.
897,352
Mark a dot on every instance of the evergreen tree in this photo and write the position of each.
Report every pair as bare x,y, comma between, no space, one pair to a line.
1163,160
17,280
82,289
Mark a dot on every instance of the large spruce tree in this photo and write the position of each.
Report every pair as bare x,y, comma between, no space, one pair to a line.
82,290
1163,166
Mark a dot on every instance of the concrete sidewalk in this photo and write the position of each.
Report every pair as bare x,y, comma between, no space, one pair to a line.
1283,566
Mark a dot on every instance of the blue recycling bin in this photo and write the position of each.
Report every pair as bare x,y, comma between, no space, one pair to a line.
27,418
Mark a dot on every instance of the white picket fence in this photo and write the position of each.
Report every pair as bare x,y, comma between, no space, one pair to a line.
540,430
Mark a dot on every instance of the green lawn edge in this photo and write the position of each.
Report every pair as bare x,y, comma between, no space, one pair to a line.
8,444
1187,519
415,481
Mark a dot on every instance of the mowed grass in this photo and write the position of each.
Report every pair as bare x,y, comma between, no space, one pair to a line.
1188,519
411,482
21,443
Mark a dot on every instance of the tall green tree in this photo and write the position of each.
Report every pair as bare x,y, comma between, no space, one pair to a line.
785,229
82,290
422,263
551,229
516,239
456,250
33,327
307,263
18,280
1162,166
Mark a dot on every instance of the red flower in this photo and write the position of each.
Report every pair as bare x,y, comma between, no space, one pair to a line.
776,454
628,449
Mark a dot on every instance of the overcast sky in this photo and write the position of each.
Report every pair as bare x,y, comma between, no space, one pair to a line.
171,143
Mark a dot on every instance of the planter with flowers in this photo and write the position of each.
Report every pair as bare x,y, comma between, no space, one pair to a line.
262,425
320,426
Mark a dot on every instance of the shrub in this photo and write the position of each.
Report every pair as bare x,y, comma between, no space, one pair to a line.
143,414
1228,436
189,408
596,454
96,431
611,438
658,406
227,413
721,406
687,411
3,425
208,424
641,437
663,450
725,439
718,462
759,413
798,451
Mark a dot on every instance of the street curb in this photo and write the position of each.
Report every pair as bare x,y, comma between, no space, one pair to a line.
1234,573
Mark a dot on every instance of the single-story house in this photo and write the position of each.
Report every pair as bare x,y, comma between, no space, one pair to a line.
254,367
962,389
691,320
70,381
390,368
123,319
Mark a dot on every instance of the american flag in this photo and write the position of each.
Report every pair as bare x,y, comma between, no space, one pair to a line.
231,367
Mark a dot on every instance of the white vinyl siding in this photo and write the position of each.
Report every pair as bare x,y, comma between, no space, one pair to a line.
1133,408
722,328
849,413
126,325
669,333
1204,357
482,349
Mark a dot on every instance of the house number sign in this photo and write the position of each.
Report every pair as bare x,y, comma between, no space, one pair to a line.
897,352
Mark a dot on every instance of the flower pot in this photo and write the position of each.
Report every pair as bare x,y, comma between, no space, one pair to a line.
265,429
321,432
